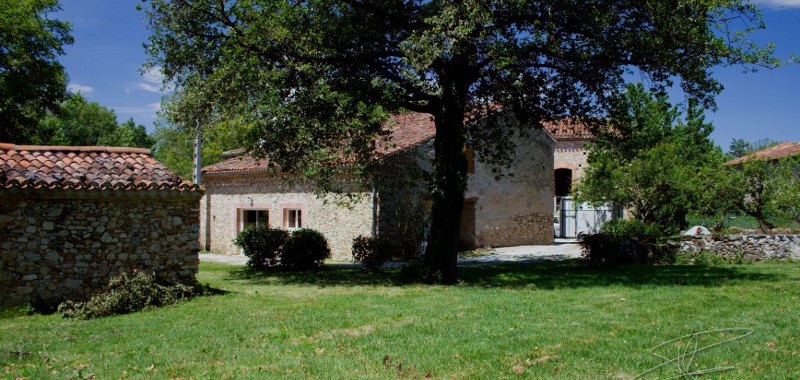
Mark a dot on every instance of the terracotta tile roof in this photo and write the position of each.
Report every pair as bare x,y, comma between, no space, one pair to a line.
782,150
569,128
85,167
407,130
237,161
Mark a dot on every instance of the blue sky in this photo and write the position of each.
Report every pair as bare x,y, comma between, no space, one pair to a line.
104,64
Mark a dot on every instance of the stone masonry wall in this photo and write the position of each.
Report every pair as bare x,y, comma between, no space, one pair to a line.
746,247
533,228
571,154
516,209
404,212
227,193
68,248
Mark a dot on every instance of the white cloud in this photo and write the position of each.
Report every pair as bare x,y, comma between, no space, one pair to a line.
153,81
143,86
147,109
779,3
154,75
74,87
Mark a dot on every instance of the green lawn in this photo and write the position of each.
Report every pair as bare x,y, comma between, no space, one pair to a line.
537,321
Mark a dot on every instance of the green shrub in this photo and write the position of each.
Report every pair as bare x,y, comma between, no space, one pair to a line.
305,249
641,231
262,246
627,242
127,293
370,251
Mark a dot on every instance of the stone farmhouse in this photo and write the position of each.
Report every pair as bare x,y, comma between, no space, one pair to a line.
513,210
73,217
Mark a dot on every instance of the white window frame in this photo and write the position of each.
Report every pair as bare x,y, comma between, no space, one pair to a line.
242,213
298,218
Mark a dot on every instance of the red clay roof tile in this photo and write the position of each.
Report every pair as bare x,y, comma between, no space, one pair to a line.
776,152
569,128
407,130
82,167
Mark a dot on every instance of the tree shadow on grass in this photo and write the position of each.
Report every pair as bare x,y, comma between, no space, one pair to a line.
544,275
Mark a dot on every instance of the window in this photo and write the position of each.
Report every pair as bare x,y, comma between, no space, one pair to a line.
256,218
293,219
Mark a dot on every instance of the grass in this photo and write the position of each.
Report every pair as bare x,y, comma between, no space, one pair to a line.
553,320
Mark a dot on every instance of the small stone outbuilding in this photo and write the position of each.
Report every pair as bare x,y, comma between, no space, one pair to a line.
73,217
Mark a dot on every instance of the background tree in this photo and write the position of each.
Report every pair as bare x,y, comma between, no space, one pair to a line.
753,187
788,200
717,193
762,189
649,161
174,146
32,81
740,147
128,134
318,77
80,122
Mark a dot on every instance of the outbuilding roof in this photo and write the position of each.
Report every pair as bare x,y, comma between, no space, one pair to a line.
85,167
775,152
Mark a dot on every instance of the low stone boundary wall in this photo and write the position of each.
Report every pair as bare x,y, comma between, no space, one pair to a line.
745,247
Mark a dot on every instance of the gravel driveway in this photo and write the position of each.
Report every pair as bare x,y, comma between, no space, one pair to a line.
561,250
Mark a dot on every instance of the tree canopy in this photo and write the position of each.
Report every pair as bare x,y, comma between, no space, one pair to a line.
741,147
650,161
761,188
316,78
79,122
32,81
174,147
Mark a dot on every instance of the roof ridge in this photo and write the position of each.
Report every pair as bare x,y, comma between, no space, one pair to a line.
99,149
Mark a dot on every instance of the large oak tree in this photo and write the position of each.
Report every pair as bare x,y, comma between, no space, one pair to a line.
318,77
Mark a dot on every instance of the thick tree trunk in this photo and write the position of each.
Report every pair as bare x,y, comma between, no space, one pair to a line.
449,183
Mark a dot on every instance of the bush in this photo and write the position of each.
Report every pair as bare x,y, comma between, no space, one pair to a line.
262,246
627,242
305,249
128,293
372,252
